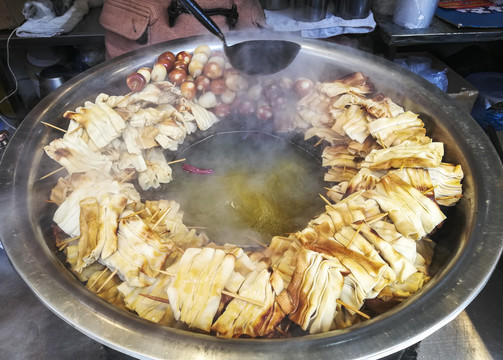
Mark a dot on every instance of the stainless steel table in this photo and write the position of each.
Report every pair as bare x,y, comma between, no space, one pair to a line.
28,330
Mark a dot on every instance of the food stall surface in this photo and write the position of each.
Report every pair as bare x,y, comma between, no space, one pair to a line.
28,330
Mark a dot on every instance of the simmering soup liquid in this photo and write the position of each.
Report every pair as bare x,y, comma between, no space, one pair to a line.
262,186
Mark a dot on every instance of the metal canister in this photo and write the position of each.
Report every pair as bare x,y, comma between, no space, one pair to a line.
310,10
352,9
275,4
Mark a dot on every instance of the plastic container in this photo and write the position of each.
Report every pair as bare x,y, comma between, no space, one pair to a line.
414,14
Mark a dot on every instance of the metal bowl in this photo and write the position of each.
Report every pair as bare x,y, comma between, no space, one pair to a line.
468,248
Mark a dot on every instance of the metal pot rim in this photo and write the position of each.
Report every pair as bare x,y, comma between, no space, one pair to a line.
452,289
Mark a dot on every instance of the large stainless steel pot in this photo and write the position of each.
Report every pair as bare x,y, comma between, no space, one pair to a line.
468,245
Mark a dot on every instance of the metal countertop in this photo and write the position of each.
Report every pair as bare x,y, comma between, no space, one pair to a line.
28,330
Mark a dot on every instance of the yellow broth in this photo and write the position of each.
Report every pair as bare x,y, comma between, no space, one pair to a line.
262,186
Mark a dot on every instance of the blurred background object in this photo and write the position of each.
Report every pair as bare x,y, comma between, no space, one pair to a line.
414,14
488,108
352,9
310,10
274,4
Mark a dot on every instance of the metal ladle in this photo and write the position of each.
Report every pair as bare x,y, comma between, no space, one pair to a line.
253,57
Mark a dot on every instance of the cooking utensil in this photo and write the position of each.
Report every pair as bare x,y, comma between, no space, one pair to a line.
469,243
52,77
253,57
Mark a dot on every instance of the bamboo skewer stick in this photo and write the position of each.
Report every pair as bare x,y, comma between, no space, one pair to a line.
166,273
375,218
63,247
161,218
53,126
239,297
382,141
153,216
133,214
449,197
124,98
352,308
155,298
255,240
430,189
354,236
225,292
395,240
357,94
326,200
99,277
278,329
318,142
176,161
52,173
66,241
107,280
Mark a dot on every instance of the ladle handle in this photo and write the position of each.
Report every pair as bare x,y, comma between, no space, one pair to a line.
199,14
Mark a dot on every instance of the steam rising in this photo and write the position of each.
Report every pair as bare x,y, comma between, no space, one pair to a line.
263,186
